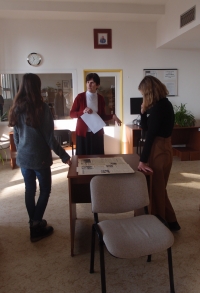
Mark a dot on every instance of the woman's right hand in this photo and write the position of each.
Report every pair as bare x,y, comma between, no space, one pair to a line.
87,110
144,167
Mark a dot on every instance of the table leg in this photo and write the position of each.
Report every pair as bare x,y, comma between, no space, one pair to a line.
13,163
72,217
72,225
12,151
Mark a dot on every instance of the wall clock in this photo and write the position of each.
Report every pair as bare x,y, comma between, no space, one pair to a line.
34,59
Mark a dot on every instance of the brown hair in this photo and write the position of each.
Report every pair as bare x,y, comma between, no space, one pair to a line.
152,90
27,101
93,76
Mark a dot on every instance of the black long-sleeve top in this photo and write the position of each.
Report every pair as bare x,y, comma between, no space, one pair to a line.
160,122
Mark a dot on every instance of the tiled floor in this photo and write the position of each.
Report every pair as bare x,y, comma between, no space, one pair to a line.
47,267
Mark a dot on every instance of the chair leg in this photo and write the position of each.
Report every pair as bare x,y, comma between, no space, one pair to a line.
92,250
6,156
137,147
149,258
140,147
171,276
102,264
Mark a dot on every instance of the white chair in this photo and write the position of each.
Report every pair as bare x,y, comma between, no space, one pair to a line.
4,144
126,237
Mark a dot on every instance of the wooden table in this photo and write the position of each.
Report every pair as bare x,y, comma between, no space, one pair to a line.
79,187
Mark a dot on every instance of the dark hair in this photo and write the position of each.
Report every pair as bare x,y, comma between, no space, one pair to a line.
93,76
153,90
27,101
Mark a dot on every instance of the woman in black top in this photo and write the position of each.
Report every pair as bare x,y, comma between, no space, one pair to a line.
157,153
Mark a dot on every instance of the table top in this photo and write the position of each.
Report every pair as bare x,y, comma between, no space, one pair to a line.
131,159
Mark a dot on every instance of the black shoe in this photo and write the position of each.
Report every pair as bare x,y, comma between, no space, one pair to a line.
174,226
38,232
42,223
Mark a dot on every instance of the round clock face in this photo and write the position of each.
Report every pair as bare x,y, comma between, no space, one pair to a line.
34,59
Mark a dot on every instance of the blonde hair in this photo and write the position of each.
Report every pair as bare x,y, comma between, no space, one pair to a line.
153,90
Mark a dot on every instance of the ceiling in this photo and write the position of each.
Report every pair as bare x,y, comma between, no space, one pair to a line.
102,10
98,10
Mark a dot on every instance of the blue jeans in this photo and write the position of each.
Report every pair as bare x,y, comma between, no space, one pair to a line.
36,210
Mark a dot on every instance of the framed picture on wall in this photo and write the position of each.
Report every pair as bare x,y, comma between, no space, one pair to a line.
168,76
102,38
66,85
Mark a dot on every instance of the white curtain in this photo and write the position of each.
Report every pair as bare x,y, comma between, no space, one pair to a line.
9,84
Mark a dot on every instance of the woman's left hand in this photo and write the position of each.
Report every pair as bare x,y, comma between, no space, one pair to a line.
69,162
144,167
119,122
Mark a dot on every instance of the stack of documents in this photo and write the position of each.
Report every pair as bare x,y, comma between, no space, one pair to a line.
94,166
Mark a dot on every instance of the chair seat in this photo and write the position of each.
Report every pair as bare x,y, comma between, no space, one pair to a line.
136,236
4,144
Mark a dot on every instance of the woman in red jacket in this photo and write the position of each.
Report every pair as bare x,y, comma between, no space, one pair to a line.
87,142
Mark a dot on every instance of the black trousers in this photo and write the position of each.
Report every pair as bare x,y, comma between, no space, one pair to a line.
92,144
1,110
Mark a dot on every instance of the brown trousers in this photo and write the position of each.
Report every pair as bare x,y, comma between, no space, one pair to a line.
160,161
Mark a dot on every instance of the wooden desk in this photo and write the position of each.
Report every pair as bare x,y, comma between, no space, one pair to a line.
13,151
187,136
79,187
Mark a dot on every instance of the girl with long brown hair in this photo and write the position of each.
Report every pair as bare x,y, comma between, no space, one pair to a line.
34,139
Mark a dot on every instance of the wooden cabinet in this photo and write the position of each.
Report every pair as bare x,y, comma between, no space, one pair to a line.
190,138
185,141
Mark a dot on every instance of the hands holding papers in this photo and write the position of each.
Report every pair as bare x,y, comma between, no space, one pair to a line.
93,121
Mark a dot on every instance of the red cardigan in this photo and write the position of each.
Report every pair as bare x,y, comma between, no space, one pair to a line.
77,110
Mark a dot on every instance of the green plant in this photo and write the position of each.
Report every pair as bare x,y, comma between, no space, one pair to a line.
1,159
183,117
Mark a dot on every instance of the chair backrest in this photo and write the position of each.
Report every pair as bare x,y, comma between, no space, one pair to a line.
63,136
118,193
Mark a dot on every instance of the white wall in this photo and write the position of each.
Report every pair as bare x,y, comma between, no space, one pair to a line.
168,27
68,45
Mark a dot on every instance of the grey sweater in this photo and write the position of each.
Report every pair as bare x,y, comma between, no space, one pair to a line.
34,145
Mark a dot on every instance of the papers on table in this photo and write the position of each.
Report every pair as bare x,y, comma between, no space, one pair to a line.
93,121
94,166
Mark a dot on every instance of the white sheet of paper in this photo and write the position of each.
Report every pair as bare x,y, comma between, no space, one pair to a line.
93,121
